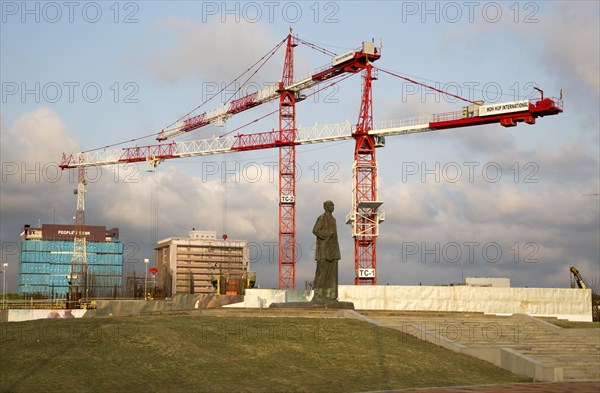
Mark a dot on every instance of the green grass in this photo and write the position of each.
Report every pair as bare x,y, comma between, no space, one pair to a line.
226,354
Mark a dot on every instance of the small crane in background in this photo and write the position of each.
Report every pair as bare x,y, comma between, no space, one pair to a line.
576,279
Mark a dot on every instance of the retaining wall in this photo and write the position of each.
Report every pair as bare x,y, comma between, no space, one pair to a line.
563,303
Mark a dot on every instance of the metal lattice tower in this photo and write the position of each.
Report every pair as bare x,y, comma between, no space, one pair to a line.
365,217
287,173
78,274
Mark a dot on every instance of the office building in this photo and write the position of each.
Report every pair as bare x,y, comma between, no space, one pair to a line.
45,262
192,264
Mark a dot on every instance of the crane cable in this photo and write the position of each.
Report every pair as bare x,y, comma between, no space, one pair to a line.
330,53
426,86
268,55
277,110
316,47
250,77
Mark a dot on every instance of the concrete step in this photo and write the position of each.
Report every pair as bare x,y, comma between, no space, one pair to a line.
555,358
559,351
266,312
444,322
532,348
581,373
557,348
485,333
568,363
506,320
426,314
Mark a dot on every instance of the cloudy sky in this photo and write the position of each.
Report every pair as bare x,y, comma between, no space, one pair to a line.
484,201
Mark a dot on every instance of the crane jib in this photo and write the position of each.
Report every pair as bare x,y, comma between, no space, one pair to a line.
309,135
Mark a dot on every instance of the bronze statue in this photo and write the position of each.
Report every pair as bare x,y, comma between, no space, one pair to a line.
327,256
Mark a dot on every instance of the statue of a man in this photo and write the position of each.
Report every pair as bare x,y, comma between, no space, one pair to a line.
327,256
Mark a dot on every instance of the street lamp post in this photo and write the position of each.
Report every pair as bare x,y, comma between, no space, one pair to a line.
4,266
146,261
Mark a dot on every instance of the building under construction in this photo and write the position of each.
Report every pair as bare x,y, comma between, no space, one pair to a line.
46,258
202,264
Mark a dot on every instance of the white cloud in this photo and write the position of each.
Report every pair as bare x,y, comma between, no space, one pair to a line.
41,136
573,57
207,51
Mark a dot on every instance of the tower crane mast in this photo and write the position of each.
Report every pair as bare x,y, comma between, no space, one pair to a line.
78,273
287,172
365,216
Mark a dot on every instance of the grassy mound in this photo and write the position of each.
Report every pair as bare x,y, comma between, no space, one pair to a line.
226,354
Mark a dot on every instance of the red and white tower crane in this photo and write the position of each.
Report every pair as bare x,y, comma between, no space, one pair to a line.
287,172
365,216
